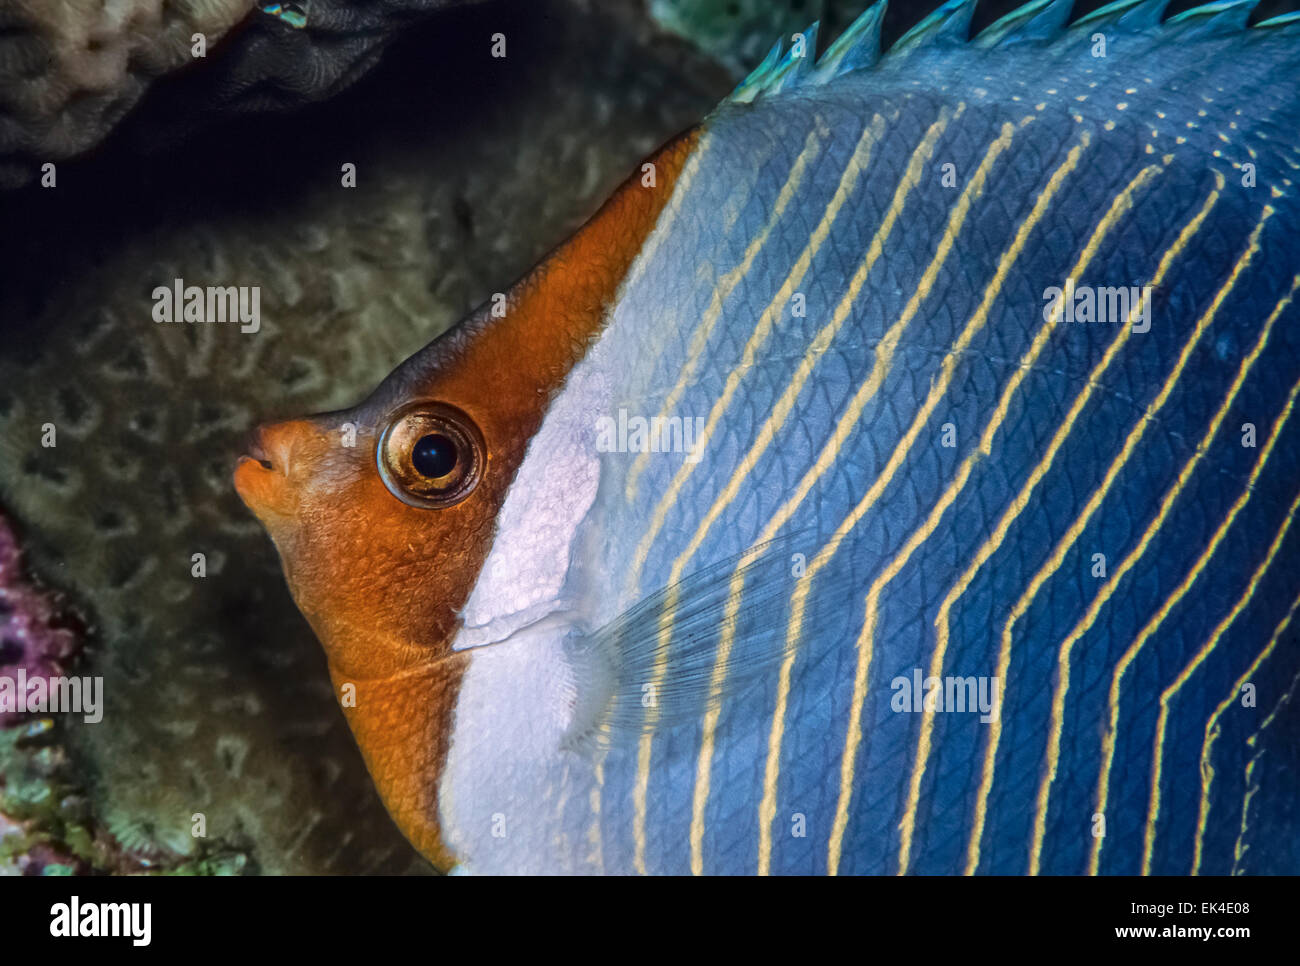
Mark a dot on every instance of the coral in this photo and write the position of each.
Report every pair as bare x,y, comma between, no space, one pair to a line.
71,69
42,820
42,817
31,637
46,827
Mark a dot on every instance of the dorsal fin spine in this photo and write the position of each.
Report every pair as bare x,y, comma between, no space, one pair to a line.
797,63
857,48
754,84
1283,20
1125,15
949,24
1212,19
1037,21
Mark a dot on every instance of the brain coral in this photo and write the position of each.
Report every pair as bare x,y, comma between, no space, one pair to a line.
70,69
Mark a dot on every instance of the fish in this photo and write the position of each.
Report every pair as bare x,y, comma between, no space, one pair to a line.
895,476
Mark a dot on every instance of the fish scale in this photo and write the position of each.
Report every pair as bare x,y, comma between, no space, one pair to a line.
773,743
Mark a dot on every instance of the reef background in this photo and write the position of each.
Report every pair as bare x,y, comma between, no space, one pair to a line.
227,171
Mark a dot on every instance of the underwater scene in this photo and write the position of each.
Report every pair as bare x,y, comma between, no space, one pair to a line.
649,437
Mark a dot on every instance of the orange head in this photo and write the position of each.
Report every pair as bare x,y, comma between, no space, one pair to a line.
383,514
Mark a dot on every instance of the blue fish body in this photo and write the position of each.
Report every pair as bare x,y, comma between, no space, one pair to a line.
1094,169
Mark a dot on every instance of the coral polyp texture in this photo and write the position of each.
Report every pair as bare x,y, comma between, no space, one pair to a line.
32,639
36,644
70,70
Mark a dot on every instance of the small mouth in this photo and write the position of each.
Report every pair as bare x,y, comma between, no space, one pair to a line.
247,460
259,480
254,451
264,475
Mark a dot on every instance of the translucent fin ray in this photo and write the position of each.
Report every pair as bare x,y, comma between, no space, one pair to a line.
665,653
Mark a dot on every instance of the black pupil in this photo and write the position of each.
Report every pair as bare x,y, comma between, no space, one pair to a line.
434,456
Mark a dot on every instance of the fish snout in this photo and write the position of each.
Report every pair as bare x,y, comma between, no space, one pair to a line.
264,472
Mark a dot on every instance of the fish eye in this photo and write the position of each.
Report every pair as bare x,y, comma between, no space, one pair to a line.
430,455
434,456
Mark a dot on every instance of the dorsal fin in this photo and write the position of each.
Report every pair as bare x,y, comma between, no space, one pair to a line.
950,25
1284,20
758,78
1038,21
1128,16
798,61
1212,19
857,48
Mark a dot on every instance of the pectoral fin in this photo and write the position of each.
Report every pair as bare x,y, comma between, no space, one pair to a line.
684,649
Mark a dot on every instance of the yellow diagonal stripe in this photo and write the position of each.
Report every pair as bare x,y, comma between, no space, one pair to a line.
1239,852
767,320
1179,592
857,164
897,458
1212,732
1104,595
988,769
1166,697
827,458
1119,206
726,285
